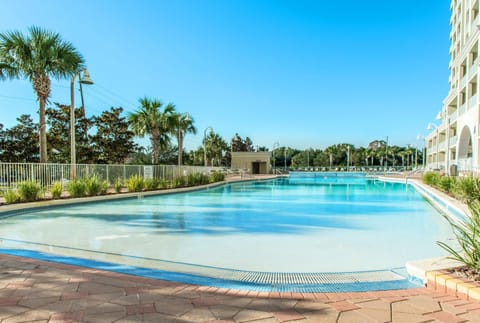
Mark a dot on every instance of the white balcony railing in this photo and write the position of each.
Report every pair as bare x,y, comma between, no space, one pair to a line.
463,81
453,116
461,110
472,102
473,69
452,141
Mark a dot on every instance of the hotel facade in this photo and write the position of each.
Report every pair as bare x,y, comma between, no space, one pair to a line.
453,145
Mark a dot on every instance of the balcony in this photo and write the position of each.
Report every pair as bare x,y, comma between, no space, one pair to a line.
463,81
473,69
461,110
452,116
472,102
442,145
452,141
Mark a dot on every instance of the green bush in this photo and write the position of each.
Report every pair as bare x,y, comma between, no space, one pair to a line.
431,178
57,189
93,185
118,185
29,191
77,188
197,179
135,183
468,189
151,184
11,196
104,187
447,183
467,234
217,177
178,182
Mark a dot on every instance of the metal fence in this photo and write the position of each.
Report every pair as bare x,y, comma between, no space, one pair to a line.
46,174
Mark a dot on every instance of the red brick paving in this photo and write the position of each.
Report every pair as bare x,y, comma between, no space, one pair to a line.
32,290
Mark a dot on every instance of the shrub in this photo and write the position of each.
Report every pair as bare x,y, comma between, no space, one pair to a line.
197,179
135,183
93,185
431,178
467,234
76,188
217,177
29,191
118,185
57,189
468,189
178,182
447,183
11,196
150,184
103,187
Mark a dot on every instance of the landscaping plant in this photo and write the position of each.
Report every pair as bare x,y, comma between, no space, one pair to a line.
76,188
57,189
29,191
11,196
118,185
467,233
135,183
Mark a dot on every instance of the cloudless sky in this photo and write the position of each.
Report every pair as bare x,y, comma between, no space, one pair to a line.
300,73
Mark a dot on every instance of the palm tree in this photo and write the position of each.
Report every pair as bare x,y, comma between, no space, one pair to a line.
151,120
37,57
180,125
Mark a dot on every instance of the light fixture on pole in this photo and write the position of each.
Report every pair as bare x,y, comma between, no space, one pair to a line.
205,144
82,80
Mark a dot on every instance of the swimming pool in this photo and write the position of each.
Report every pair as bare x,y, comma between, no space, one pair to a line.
288,225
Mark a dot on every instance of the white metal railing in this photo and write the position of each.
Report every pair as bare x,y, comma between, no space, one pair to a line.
452,141
472,102
46,174
452,116
465,164
463,81
461,110
473,68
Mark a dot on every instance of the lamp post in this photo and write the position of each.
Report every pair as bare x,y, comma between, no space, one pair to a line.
205,144
82,80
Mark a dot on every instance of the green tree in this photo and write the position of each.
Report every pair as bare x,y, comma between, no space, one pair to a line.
113,141
151,120
20,144
37,57
216,145
181,125
58,120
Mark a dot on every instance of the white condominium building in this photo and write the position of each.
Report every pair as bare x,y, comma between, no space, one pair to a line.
453,145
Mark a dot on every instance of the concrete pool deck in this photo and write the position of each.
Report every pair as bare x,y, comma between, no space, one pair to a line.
39,291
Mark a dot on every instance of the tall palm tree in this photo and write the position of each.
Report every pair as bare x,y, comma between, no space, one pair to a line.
150,119
37,57
179,125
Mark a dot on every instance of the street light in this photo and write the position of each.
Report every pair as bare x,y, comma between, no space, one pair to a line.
205,144
82,80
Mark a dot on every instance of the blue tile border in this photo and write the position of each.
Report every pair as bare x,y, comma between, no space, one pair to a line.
214,282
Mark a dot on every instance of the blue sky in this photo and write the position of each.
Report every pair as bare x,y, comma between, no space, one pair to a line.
300,73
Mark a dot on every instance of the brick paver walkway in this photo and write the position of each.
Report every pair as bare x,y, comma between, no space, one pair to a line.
38,291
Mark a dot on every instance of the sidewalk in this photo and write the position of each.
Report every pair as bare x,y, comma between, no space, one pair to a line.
39,291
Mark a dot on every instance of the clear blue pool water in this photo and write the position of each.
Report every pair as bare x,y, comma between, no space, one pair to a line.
296,224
